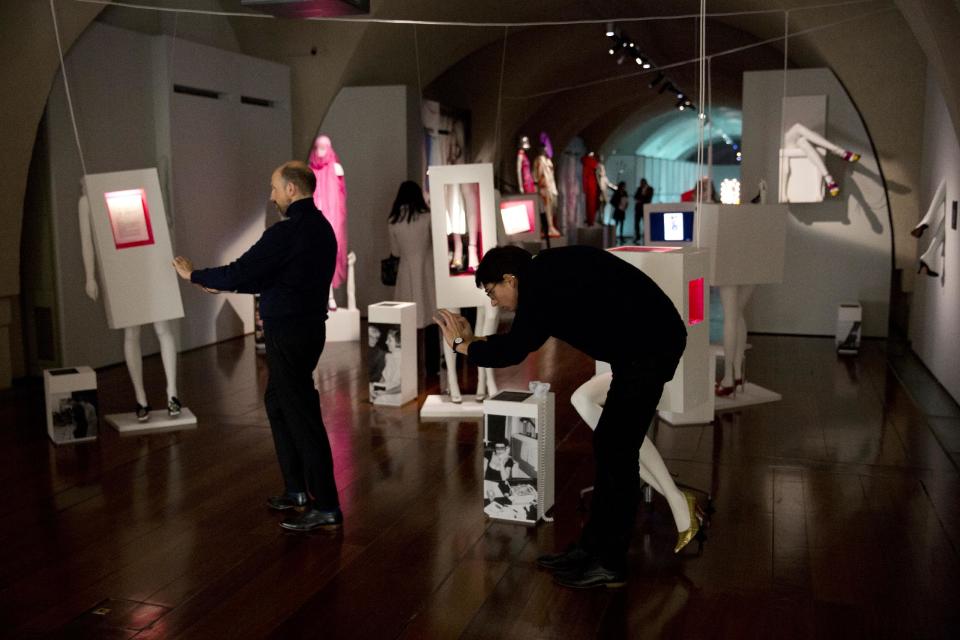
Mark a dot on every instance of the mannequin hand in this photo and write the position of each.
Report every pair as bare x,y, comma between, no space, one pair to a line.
93,291
183,266
453,325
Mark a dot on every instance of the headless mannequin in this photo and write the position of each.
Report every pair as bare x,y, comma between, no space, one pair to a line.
936,216
588,400
525,183
321,146
131,335
488,317
547,187
603,185
590,188
800,137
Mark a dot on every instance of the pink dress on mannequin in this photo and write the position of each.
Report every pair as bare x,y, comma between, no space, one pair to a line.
330,197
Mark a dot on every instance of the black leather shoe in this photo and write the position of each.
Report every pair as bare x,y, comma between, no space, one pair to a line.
570,560
287,501
314,518
591,576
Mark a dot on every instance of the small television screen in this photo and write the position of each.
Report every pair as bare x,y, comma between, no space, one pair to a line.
518,215
671,226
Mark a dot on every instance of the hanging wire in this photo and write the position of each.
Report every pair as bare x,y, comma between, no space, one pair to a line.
496,126
782,162
66,86
453,23
701,49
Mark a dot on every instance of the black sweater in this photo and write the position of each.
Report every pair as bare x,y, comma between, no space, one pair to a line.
594,301
291,265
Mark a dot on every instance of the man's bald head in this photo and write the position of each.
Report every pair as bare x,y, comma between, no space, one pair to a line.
290,182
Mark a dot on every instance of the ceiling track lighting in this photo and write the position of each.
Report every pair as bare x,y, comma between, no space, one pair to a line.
610,32
657,79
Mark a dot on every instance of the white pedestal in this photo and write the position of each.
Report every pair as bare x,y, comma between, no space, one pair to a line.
159,422
522,424
397,322
702,413
751,394
343,325
442,407
800,180
681,272
71,404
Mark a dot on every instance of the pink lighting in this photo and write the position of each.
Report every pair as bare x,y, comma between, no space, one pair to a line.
695,297
129,218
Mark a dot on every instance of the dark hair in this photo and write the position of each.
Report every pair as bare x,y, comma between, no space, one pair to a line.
408,203
500,261
300,176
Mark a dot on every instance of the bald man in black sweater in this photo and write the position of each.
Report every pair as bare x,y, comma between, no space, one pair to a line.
613,312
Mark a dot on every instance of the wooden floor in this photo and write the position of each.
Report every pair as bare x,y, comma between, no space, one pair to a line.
838,516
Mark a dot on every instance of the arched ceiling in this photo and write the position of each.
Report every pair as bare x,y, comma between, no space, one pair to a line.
672,134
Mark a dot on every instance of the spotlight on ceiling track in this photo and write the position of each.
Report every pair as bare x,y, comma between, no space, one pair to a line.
610,31
646,65
639,60
657,79
681,105
611,51
621,58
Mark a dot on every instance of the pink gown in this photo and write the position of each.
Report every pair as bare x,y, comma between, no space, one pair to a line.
330,197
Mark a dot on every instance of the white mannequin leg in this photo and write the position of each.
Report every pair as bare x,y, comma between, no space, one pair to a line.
931,258
351,282
457,260
487,317
743,297
815,158
588,400
936,212
451,359
168,353
134,358
471,205
731,318
815,138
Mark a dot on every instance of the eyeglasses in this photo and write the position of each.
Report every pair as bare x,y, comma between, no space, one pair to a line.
489,291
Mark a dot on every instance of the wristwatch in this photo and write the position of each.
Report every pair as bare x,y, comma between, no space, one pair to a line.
457,342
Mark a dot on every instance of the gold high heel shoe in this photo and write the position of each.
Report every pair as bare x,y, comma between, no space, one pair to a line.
685,537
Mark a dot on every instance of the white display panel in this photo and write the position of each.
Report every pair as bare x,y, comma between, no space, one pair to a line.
747,242
134,253
458,289
392,340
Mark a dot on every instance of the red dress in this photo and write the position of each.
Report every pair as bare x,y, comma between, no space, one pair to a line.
590,187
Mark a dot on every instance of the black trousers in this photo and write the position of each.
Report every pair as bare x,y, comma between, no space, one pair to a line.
294,346
631,403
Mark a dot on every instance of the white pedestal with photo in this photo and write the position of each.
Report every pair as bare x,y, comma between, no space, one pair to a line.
343,325
681,272
397,322
849,323
518,438
71,403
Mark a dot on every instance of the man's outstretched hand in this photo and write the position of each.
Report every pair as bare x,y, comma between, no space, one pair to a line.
185,268
454,325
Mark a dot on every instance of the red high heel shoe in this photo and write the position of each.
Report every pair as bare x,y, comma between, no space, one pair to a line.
722,392
925,267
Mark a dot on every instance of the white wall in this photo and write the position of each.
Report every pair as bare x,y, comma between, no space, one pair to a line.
377,136
838,250
935,308
214,158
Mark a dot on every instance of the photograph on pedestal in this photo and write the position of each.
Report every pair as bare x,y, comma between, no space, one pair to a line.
385,363
74,416
510,468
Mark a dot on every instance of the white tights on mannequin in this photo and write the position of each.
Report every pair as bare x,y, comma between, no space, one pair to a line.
134,357
487,318
588,400
734,299
800,137
471,205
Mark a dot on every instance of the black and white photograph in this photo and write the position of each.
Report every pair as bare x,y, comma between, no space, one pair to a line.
510,468
384,341
74,417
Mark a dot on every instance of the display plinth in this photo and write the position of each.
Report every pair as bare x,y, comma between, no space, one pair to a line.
395,323
159,422
518,439
702,413
343,325
681,272
748,242
749,395
442,407
71,404
599,235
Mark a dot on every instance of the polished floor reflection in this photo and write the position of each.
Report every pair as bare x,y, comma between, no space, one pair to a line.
838,511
